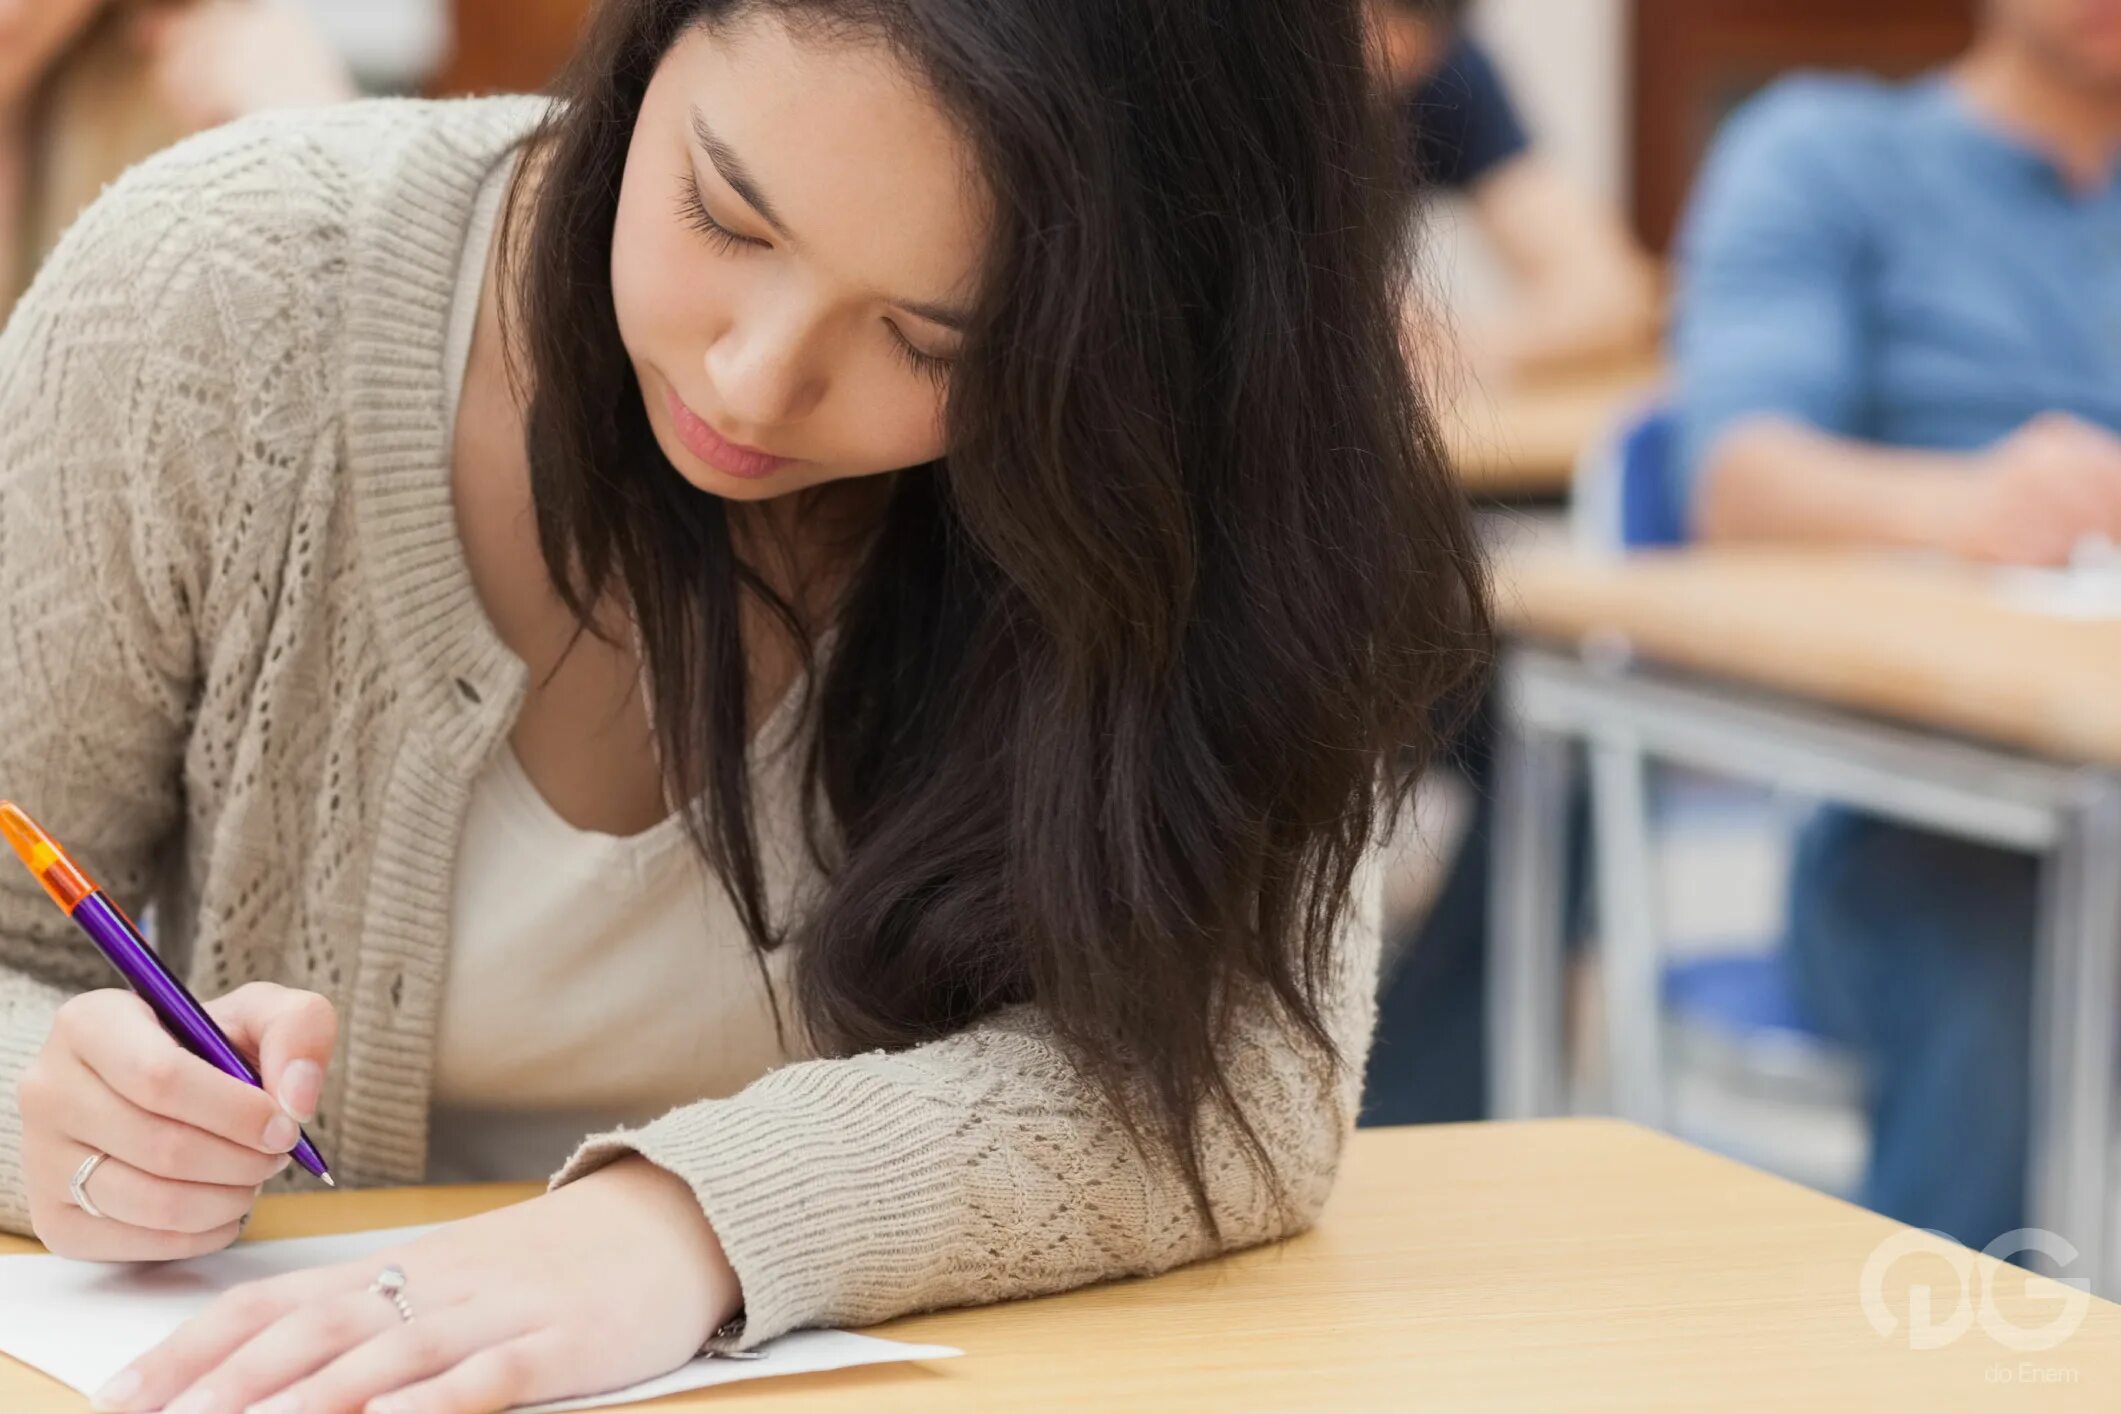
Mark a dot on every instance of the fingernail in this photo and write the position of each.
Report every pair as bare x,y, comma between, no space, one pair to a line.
280,1135
300,1085
114,1395
285,1160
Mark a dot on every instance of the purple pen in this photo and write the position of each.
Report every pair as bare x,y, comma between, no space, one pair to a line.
118,940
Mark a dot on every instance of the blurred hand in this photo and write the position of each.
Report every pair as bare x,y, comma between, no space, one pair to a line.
217,60
189,1145
2035,494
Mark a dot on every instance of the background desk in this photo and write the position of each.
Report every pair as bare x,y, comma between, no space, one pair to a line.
1522,440
1906,688
1555,1265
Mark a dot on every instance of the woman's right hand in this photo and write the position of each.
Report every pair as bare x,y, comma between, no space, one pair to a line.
189,1146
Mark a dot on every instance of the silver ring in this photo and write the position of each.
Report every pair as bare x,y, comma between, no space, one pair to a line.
391,1282
78,1189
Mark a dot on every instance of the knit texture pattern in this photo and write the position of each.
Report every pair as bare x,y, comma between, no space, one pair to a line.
245,677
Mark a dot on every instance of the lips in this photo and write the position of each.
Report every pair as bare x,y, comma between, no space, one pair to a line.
716,450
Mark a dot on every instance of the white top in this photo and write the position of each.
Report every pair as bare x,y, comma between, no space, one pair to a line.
594,980
396,44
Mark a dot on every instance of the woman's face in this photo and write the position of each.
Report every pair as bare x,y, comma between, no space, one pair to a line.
33,33
799,232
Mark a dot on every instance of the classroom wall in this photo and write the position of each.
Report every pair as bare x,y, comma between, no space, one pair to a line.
1567,64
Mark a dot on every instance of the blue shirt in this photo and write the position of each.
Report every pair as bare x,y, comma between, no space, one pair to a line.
1882,263
1459,124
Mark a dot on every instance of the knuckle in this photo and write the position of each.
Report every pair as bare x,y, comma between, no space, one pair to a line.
512,1366
338,1323
315,1015
67,1022
162,1208
422,1347
251,1302
169,1151
161,1078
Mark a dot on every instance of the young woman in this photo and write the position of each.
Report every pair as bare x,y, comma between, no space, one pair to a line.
948,462
89,87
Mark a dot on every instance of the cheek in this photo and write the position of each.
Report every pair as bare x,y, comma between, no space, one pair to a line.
648,297
896,422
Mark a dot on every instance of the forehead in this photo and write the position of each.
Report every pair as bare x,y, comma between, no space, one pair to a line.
870,176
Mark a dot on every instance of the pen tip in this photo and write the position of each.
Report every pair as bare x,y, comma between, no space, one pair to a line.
328,1183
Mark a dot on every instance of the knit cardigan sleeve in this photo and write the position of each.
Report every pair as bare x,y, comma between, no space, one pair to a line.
114,434
981,1167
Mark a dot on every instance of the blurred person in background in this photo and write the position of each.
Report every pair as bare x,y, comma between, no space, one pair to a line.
1581,288
87,88
1899,325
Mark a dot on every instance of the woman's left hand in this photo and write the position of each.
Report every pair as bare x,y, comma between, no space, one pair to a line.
615,1278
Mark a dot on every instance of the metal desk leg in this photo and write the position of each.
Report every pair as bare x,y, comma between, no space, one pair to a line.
2076,1058
1628,935
1526,1046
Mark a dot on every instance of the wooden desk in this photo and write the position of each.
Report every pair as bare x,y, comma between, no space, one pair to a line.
1563,1264
1923,641
1908,689
1525,439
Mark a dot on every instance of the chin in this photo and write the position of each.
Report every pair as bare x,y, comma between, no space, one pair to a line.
730,488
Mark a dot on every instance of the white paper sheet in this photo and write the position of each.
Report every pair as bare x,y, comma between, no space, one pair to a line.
2075,593
2089,587
82,1322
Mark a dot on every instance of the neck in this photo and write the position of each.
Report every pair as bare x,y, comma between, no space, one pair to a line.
2074,123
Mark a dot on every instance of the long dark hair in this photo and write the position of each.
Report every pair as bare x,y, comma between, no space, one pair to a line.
1124,684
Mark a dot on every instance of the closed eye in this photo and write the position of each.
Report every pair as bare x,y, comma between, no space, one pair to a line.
692,206
935,370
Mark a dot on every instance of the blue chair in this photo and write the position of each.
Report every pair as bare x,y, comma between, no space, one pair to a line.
1743,1001
1625,497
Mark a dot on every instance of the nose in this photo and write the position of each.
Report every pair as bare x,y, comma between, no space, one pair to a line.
766,372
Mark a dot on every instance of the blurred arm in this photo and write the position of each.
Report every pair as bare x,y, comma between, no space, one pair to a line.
1775,478
1768,345
1582,287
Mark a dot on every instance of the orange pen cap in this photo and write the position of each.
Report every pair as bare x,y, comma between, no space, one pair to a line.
67,882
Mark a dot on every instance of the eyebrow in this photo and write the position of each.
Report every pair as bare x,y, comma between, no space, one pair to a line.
746,186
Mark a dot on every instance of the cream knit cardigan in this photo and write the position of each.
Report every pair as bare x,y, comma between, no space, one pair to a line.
245,675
